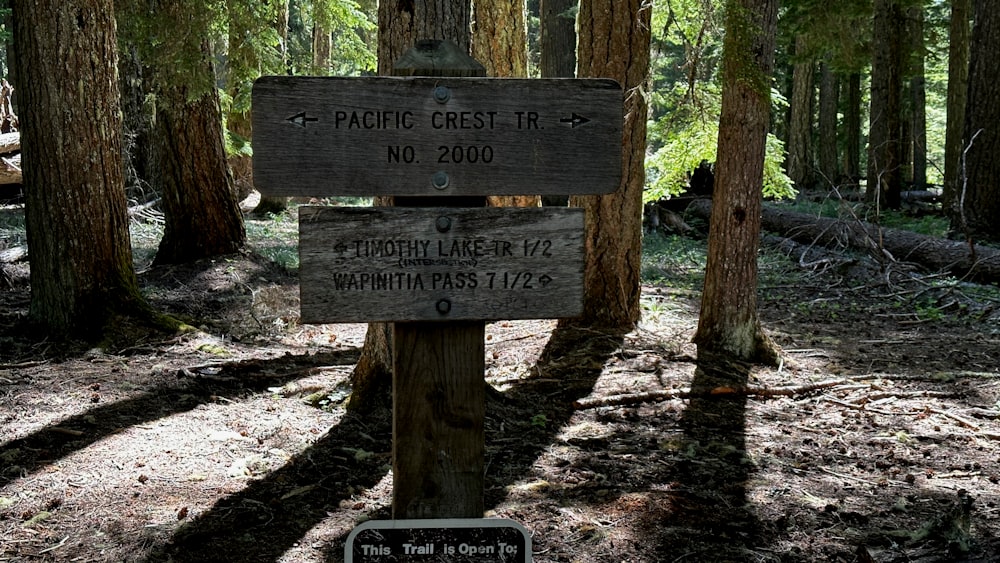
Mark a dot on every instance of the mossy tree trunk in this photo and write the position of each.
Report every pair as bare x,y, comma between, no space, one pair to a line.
614,43
959,32
728,326
66,54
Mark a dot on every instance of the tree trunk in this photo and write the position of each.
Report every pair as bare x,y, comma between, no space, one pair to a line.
202,215
918,99
614,43
980,263
728,325
401,24
558,53
77,224
852,129
243,170
958,91
979,194
500,43
829,94
884,142
558,38
800,164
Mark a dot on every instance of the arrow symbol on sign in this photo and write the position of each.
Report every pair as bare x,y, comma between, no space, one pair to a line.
576,121
301,120
340,248
545,280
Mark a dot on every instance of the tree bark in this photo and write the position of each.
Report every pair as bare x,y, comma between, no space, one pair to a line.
728,326
959,32
918,99
202,216
884,142
614,43
558,38
979,194
829,94
500,43
77,224
852,129
800,165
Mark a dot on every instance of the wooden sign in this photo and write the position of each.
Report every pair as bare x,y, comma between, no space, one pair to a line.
320,137
360,264
414,541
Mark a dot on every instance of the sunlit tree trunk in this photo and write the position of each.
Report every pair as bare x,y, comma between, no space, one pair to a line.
958,90
500,43
614,43
77,224
979,191
728,325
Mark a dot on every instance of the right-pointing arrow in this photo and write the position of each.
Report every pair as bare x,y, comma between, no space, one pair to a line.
545,280
576,121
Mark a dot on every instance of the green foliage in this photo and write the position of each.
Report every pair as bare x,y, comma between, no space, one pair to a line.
686,100
350,24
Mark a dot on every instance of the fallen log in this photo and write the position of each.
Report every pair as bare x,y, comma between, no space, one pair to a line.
964,260
10,142
10,169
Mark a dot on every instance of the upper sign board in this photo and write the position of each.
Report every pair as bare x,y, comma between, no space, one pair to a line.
320,137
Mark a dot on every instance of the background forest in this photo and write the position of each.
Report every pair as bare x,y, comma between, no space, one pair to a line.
801,367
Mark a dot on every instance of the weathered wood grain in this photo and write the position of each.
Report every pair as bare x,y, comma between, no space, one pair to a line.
320,136
439,264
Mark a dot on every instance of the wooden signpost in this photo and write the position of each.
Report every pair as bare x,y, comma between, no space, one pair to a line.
437,264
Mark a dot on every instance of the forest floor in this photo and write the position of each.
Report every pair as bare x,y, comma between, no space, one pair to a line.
878,439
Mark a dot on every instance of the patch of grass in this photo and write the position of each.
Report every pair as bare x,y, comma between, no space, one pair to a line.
930,225
673,261
276,238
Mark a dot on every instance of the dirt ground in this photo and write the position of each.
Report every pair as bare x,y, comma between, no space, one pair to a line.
877,440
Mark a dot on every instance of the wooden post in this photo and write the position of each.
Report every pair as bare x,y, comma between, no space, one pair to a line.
438,383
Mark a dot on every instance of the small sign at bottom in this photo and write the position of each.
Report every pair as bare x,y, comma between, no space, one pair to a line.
491,540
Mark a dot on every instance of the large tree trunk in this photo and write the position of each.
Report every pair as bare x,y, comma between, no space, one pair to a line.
884,142
202,215
800,164
728,325
979,192
614,43
77,223
958,91
979,263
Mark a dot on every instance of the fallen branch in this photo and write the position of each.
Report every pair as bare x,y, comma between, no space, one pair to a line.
727,391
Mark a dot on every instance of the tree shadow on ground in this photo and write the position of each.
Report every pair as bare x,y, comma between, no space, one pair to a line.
263,521
566,371
229,381
710,517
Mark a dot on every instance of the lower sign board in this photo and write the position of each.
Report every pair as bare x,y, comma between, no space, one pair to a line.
456,541
361,264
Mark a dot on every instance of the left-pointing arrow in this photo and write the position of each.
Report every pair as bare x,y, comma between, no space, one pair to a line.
301,120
